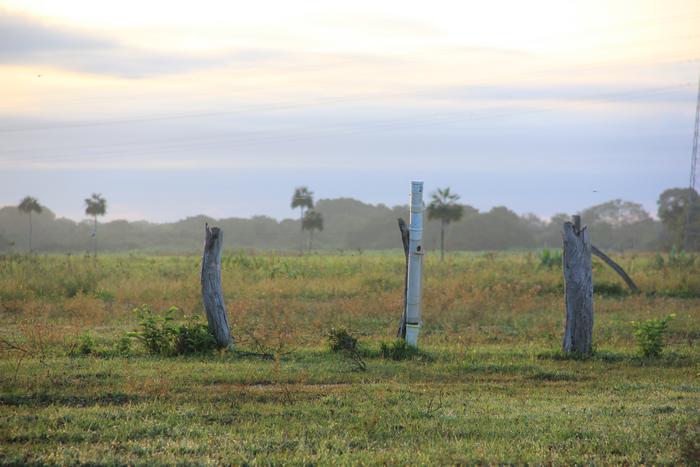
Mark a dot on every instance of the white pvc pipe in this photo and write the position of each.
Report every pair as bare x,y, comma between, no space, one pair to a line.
415,265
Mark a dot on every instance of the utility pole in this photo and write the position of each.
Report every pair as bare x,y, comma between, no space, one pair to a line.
693,171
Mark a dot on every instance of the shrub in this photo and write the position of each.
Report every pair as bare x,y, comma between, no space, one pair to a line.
161,335
156,332
344,343
341,339
193,337
650,335
85,344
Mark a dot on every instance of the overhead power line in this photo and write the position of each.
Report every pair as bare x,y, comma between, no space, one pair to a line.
374,127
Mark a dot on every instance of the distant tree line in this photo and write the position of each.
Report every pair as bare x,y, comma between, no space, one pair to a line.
347,224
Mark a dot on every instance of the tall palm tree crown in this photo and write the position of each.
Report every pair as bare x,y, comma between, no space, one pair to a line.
302,198
95,205
29,205
443,205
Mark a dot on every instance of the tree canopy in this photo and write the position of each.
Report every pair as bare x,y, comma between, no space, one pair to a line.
443,206
29,205
302,198
313,220
95,205
679,210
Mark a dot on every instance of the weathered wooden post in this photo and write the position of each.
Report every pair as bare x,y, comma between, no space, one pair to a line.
403,228
578,278
212,292
415,265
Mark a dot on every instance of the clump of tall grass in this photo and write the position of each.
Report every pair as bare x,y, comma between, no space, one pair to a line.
400,350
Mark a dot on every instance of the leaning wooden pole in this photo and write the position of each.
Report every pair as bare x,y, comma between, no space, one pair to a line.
212,292
617,268
578,278
405,240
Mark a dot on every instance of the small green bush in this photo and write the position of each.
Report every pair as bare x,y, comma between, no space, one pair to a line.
85,344
343,342
193,337
157,331
161,335
650,335
341,339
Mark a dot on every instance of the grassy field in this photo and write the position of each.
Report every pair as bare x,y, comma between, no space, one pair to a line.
489,384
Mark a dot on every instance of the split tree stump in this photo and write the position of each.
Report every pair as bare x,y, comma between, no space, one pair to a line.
578,277
212,292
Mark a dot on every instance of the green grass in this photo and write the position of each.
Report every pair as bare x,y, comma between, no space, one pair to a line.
489,384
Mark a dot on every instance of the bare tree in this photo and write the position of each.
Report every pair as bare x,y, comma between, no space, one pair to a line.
27,206
443,206
95,206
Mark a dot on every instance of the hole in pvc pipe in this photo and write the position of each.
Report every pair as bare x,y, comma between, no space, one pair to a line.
418,248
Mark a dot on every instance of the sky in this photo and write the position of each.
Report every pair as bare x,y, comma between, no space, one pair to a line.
171,109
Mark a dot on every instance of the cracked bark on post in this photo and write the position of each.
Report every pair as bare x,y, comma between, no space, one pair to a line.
212,292
578,331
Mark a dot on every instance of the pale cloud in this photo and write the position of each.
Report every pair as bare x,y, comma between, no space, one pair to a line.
29,40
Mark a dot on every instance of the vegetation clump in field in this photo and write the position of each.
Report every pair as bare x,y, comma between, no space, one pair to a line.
161,335
550,259
650,335
343,342
400,350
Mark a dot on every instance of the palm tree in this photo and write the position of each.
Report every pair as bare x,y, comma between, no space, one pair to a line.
27,206
95,206
302,198
443,206
313,220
